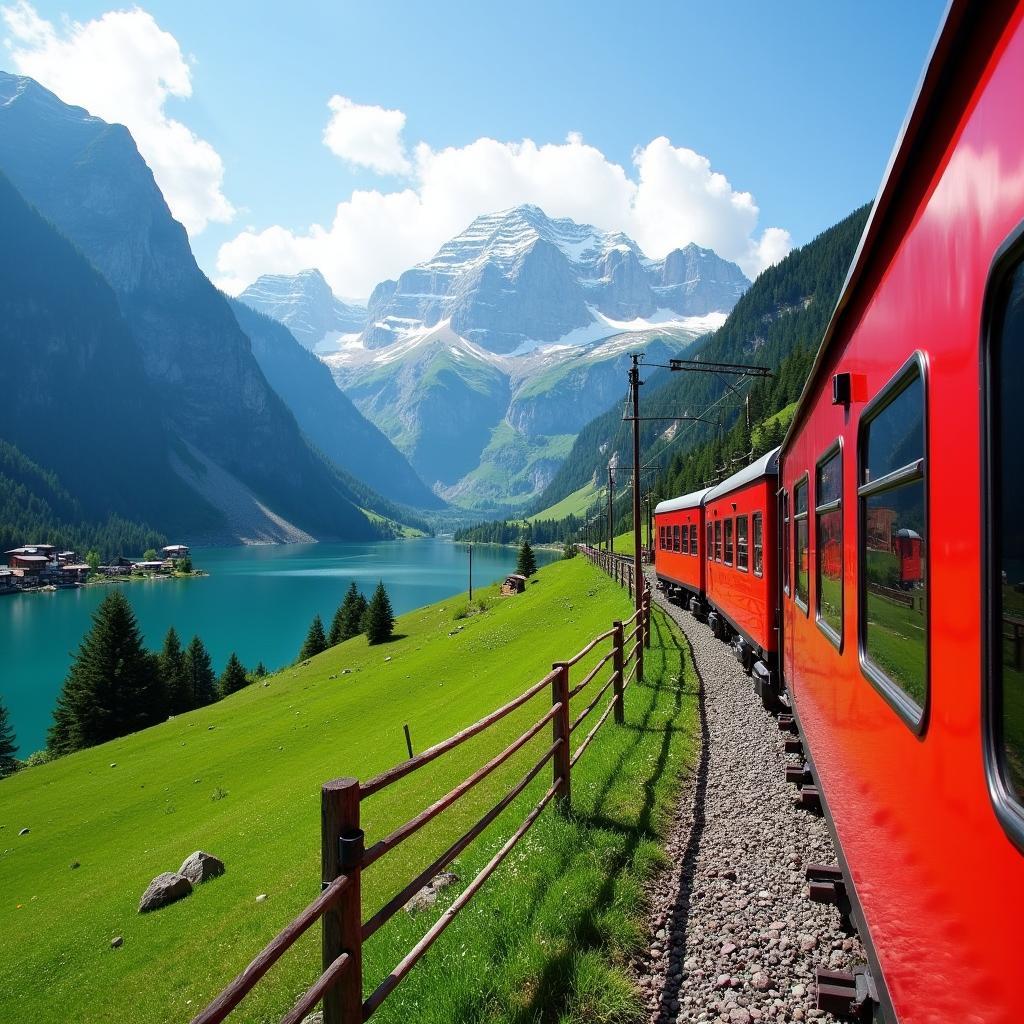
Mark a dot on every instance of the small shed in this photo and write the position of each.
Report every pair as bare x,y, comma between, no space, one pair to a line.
514,584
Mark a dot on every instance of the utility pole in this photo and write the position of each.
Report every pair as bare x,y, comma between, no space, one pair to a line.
470,573
638,569
650,538
611,503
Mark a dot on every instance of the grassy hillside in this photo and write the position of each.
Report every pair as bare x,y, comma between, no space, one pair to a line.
242,779
575,504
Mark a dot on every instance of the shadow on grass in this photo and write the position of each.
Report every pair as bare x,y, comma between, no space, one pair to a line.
553,993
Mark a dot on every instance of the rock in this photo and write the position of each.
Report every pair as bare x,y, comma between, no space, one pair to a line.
427,896
761,981
113,764
262,898
117,942
164,889
728,948
74,865
200,867
24,832
316,1017
798,991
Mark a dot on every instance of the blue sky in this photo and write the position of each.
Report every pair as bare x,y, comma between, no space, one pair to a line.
796,103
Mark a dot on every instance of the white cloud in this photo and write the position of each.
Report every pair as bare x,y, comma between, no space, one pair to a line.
672,196
123,67
367,136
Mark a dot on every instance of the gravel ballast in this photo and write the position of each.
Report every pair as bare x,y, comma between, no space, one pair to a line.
734,937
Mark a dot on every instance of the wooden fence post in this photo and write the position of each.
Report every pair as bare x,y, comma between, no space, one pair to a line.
560,734
617,660
647,617
342,854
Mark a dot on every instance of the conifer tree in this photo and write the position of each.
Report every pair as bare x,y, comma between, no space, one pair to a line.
200,681
233,677
113,687
173,676
526,564
8,746
260,670
379,618
316,640
348,619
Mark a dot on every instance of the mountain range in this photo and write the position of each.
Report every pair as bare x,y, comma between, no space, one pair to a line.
227,434
482,363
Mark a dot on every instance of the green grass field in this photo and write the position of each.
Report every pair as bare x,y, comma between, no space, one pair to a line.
544,941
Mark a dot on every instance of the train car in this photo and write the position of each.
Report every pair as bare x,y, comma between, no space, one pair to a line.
904,455
679,556
741,583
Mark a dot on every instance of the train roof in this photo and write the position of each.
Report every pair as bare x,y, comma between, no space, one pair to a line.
925,110
691,500
767,465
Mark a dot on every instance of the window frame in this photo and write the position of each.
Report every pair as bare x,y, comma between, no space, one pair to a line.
1007,805
757,527
718,540
835,638
913,716
797,517
694,547
710,554
745,519
787,545
728,551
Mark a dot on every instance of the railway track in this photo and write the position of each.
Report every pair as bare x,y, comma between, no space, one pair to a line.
734,937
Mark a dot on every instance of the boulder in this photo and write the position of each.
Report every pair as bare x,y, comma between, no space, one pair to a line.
167,887
200,867
427,896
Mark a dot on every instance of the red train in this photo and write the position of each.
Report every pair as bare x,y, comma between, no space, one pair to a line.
894,631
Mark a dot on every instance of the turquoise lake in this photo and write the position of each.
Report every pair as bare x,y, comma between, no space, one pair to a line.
257,601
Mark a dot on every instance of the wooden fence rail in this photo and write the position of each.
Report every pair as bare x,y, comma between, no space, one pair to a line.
345,856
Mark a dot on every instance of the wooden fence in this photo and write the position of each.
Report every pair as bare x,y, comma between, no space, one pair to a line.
345,855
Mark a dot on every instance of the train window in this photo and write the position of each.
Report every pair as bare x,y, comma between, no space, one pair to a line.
828,538
1004,533
710,543
758,545
742,551
718,540
727,531
675,537
786,564
893,577
693,538
802,552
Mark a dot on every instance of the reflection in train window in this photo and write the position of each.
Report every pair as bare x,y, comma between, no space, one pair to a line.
802,552
758,545
1006,525
828,513
894,567
728,541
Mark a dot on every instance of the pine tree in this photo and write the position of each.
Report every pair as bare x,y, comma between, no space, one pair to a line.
173,675
233,678
8,746
379,619
200,681
316,640
260,670
348,619
526,565
113,687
